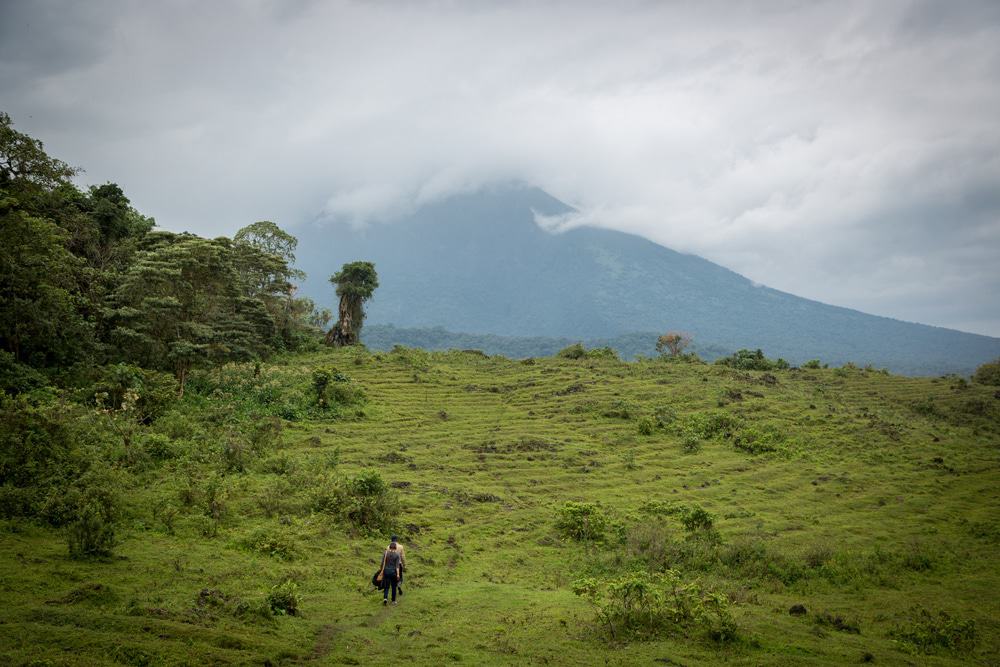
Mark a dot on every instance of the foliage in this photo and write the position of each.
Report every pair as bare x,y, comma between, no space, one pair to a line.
332,388
926,632
645,605
365,502
283,598
696,519
574,351
355,283
273,544
988,373
758,439
748,360
582,521
94,504
672,342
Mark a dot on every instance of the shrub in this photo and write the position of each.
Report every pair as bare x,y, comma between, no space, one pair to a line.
274,545
157,446
696,518
38,444
988,373
582,521
644,605
665,416
574,351
812,364
15,377
154,391
645,426
926,632
95,510
366,502
758,440
747,360
284,598
605,352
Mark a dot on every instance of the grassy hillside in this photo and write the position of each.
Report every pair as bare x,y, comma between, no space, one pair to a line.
868,499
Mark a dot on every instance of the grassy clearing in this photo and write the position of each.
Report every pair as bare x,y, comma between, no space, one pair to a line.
848,510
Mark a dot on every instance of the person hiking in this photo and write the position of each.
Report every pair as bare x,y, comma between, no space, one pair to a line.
390,572
402,561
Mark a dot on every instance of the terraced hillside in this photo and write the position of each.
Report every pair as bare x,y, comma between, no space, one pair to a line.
849,516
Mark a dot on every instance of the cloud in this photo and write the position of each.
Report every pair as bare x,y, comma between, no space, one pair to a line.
841,151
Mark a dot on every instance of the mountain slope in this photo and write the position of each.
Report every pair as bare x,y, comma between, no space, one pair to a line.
479,263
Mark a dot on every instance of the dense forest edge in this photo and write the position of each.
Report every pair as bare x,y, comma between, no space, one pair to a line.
190,474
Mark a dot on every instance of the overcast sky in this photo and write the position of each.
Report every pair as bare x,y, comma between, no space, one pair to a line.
845,152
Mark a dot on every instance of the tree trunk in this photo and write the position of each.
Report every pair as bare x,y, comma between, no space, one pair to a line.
342,332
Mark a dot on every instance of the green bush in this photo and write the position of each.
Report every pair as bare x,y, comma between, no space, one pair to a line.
154,391
758,439
603,353
812,364
988,374
41,451
696,518
95,510
574,351
925,632
645,426
16,378
582,521
365,502
644,605
665,416
275,545
284,598
747,360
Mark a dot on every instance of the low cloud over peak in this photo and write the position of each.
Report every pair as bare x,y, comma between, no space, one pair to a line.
846,152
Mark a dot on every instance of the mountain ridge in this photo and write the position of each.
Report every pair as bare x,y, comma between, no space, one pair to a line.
479,263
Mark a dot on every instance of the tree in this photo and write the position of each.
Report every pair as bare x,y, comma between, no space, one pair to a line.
355,283
24,164
180,306
672,342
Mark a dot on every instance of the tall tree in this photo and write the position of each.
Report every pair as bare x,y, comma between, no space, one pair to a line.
40,319
356,282
180,306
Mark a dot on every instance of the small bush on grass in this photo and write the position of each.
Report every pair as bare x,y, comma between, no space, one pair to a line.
664,416
574,351
95,512
365,502
812,364
758,439
644,605
603,353
925,632
755,360
274,545
582,521
283,599
645,426
697,519
988,374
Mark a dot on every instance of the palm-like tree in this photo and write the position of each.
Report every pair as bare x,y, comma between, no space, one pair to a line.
355,284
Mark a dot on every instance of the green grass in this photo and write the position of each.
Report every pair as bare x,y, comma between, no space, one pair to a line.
874,495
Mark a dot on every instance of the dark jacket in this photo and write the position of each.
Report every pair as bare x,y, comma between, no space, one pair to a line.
391,563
